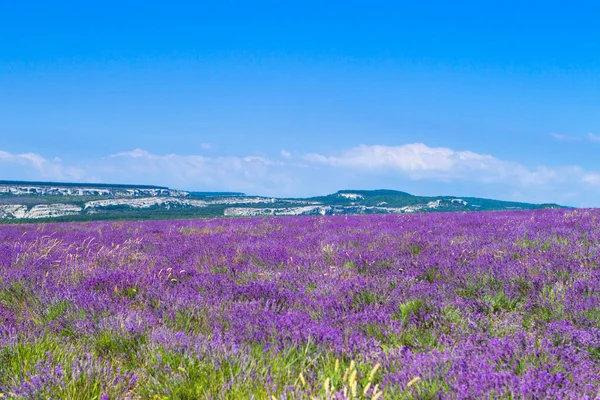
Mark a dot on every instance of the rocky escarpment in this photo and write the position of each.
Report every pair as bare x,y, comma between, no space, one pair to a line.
57,190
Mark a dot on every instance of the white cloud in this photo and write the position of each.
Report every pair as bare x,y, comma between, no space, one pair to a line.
410,157
591,178
137,153
286,154
206,146
568,138
34,166
262,160
565,138
250,173
593,138
419,161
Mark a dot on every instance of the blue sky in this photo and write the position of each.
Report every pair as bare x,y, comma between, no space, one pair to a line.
282,98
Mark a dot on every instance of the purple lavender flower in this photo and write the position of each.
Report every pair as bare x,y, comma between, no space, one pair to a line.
479,305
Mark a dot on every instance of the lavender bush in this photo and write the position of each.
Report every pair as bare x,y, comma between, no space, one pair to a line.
461,306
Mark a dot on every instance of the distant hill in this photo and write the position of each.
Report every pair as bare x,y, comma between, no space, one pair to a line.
394,198
52,201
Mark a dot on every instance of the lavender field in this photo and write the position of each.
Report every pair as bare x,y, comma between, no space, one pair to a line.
477,305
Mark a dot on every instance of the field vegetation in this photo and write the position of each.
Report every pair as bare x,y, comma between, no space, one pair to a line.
502,305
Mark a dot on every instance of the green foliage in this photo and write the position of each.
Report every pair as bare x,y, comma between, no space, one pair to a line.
415,249
124,347
189,321
499,302
82,377
22,301
418,339
130,292
469,289
431,275
409,308
534,244
367,297
56,310
175,375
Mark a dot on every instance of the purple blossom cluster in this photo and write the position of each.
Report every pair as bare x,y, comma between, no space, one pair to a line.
461,306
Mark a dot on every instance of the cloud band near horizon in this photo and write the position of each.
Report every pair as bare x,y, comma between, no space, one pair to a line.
290,175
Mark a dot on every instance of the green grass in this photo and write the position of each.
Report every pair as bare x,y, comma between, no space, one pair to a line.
165,373
499,302
189,321
82,376
367,297
298,368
